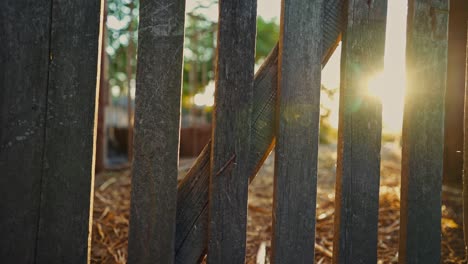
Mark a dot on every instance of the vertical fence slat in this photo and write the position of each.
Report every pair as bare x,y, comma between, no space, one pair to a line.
49,69
24,56
295,187
64,229
231,131
421,186
360,125
157,123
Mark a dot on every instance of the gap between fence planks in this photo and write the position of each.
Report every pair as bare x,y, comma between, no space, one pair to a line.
359,134
297,131
192,200
231,131
157,123
422,156
48,109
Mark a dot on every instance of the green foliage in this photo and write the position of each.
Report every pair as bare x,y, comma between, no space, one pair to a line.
199,50
122,22
267,36
328,134
200,43
200,47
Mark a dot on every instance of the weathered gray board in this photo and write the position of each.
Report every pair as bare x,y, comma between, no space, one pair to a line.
297,131
423,137
359,134
49,64
157,123
192,199
24,56
231,138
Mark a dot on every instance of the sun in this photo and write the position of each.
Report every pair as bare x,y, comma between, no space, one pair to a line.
389,87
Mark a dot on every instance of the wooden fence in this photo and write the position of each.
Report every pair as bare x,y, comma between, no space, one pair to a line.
49,63
50,60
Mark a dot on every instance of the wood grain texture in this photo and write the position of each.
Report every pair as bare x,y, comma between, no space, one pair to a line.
157,123
359,134
64,230
297,131
231,131
24,57
423,137
48,109
192,201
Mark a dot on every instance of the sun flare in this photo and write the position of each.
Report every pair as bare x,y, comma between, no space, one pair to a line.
390,84
389,87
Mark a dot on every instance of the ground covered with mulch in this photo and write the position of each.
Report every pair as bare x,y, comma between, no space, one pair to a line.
112,200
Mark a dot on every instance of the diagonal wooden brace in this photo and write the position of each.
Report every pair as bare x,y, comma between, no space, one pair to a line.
192,197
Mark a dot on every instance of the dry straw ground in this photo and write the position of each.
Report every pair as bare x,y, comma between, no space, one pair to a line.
112,200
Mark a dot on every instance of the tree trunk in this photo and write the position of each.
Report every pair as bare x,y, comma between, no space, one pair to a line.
130,55
101,137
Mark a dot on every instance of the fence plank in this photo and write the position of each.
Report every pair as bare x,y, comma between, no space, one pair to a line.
359,136
157,123
295,188
49,69
24,56
231,131
423,136
192,208
68,168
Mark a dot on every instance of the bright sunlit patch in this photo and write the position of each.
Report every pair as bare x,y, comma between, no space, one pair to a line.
389,88
375,87
389,85
206,98
202,99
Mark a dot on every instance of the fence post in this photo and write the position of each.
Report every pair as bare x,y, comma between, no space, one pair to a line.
297,131
359,135
48,111
231,131
423,136
157,128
